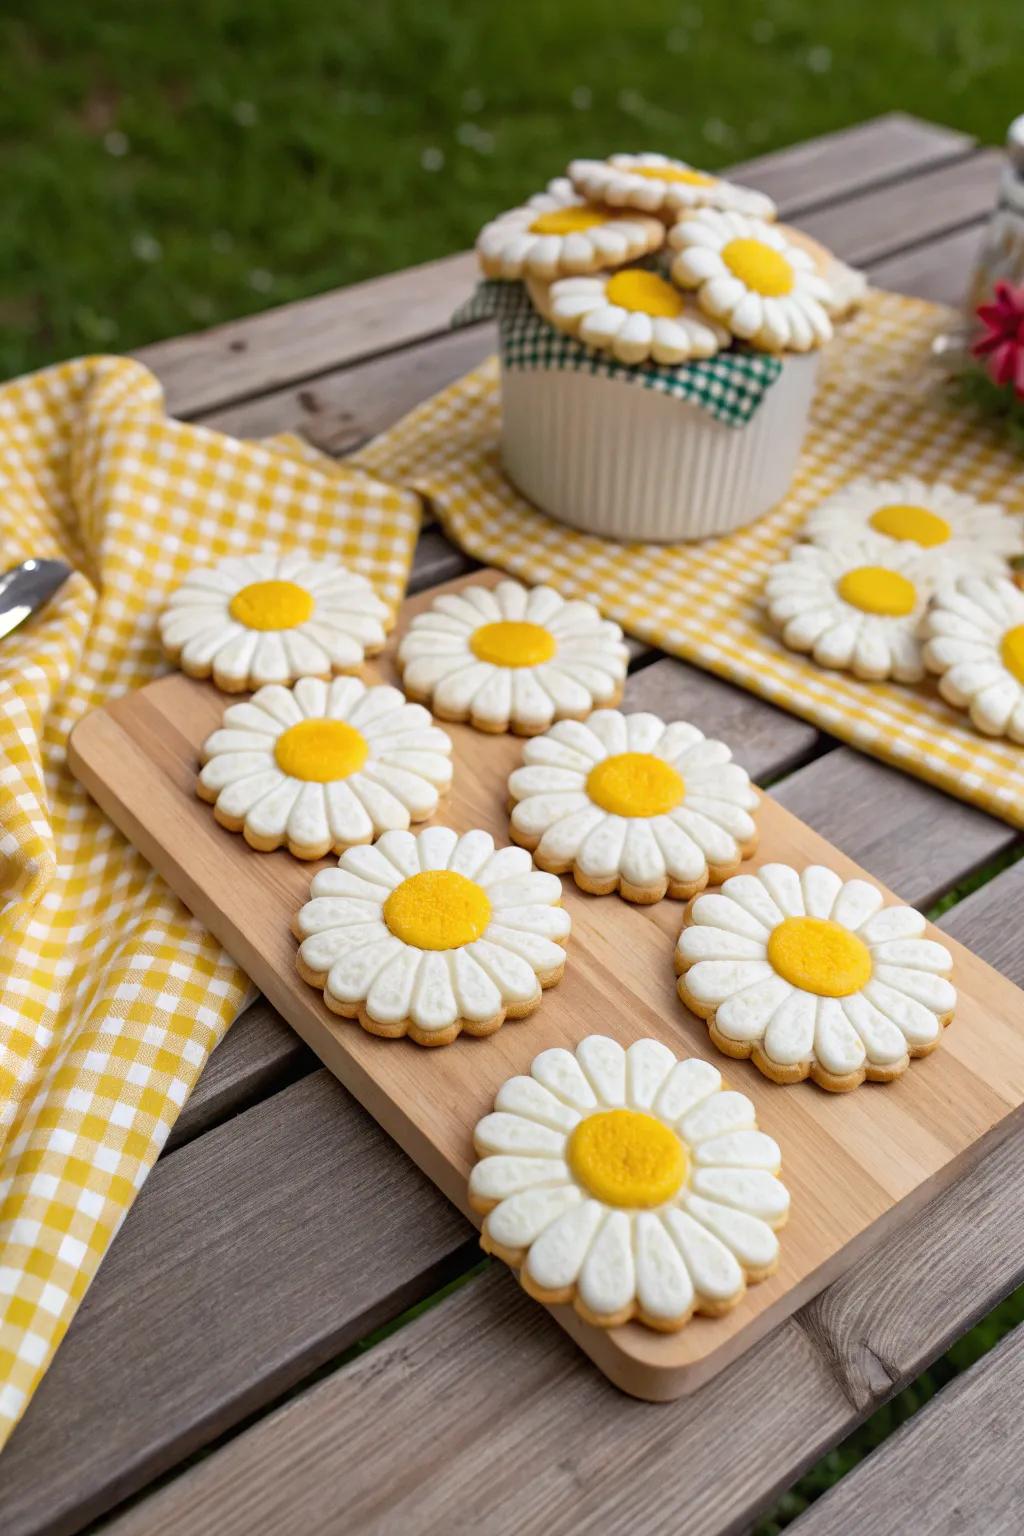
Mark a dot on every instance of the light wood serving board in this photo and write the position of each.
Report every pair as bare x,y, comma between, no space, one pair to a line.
855,1164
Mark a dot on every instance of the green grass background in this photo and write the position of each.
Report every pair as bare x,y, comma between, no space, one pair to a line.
168,165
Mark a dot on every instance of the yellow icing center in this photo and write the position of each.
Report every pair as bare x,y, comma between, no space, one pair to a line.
914,525
438,909
512,643
644,293
271,605
820,956
873,589
625,1157
672,173
1012,652
759,267
635,784
320,750
567,221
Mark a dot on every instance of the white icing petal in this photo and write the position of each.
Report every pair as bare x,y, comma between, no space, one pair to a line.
714,1271
837,1045
918,1024
604,1063
728,914
529,1098
789,1036
478,997
883,1040
556,1258
745,1189
519,1137
389,998
712,981
720,1113
821,887
607,1279
856,903
689,1083
351,976
700,942
648,1064
560,1072
495,1178
518,1221
747,1237
892,923
663,1285
739,1149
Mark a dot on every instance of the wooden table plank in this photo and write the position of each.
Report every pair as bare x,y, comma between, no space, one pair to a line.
943,200
903,828
938,270
577,1456
298,341
852,159
954,1470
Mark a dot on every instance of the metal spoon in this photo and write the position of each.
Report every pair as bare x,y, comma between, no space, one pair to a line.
26,587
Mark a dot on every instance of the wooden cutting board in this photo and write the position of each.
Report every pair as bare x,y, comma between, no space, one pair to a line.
855,1164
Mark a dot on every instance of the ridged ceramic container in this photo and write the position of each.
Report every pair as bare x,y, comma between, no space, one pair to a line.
628,463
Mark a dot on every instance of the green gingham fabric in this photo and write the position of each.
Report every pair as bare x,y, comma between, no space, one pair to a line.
730,386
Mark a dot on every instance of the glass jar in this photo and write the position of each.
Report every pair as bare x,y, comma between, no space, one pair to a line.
1002,250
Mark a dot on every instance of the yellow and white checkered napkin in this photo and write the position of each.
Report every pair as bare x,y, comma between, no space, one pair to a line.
880,411
111,995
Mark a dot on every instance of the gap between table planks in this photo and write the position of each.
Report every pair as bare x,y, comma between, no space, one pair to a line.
137,758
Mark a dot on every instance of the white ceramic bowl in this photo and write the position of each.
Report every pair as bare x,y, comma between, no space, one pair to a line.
624,462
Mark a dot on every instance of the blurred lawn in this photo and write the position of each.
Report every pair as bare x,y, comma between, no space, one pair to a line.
165,166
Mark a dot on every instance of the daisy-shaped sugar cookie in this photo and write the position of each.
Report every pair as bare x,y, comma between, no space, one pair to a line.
750,277
812,975
855,606
322,766
634,315
433,934
633,805
264,618
974,640
659,184
512,656
948,528
847,286
628,1183
557,232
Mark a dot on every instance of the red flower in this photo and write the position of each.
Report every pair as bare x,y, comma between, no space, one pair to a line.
1001,348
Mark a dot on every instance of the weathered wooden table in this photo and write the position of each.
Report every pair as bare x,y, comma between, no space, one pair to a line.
219,1378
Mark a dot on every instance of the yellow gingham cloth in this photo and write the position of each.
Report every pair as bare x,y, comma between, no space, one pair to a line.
881,410
111,995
